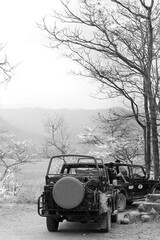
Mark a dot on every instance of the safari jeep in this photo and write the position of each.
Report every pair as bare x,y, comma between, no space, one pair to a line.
134,185
77,189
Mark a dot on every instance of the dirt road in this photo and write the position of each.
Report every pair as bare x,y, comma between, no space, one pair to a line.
21,222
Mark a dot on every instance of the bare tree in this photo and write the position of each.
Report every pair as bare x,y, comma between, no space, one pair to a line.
119,49
58,138
6,71
14,153
116,135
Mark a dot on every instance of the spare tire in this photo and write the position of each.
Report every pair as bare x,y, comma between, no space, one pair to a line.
68,192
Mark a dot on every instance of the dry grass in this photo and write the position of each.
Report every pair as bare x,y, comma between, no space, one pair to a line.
29,194
31,179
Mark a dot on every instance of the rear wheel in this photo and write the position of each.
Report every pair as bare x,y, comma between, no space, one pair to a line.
121,202
52,224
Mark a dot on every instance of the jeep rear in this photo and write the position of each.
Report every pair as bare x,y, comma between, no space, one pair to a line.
79,191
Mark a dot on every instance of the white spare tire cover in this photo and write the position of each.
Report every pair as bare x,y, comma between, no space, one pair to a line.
68,192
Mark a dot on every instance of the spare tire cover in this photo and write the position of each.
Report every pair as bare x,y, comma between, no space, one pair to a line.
68,192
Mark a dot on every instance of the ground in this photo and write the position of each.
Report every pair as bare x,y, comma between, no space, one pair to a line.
19,221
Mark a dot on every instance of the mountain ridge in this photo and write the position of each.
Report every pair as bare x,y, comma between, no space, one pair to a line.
29,122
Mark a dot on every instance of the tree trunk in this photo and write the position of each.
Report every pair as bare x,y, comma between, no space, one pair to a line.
150,94
147,136
154,140
147,148
154,131
153,117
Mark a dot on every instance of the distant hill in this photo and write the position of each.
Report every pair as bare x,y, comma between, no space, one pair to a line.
20,133
28,123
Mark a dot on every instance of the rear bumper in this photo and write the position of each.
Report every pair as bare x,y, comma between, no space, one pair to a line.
84,209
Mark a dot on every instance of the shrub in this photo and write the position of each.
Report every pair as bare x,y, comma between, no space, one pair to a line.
8,186
28,194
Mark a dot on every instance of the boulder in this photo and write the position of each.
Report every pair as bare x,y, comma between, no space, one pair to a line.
141,207
153,212
124,221
146,218
133,216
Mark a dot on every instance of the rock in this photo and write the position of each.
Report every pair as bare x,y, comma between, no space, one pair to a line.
133,216
141,208
153,212
126,215
145,218
125,221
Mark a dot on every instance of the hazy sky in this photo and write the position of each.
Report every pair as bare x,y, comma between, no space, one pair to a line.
41,79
